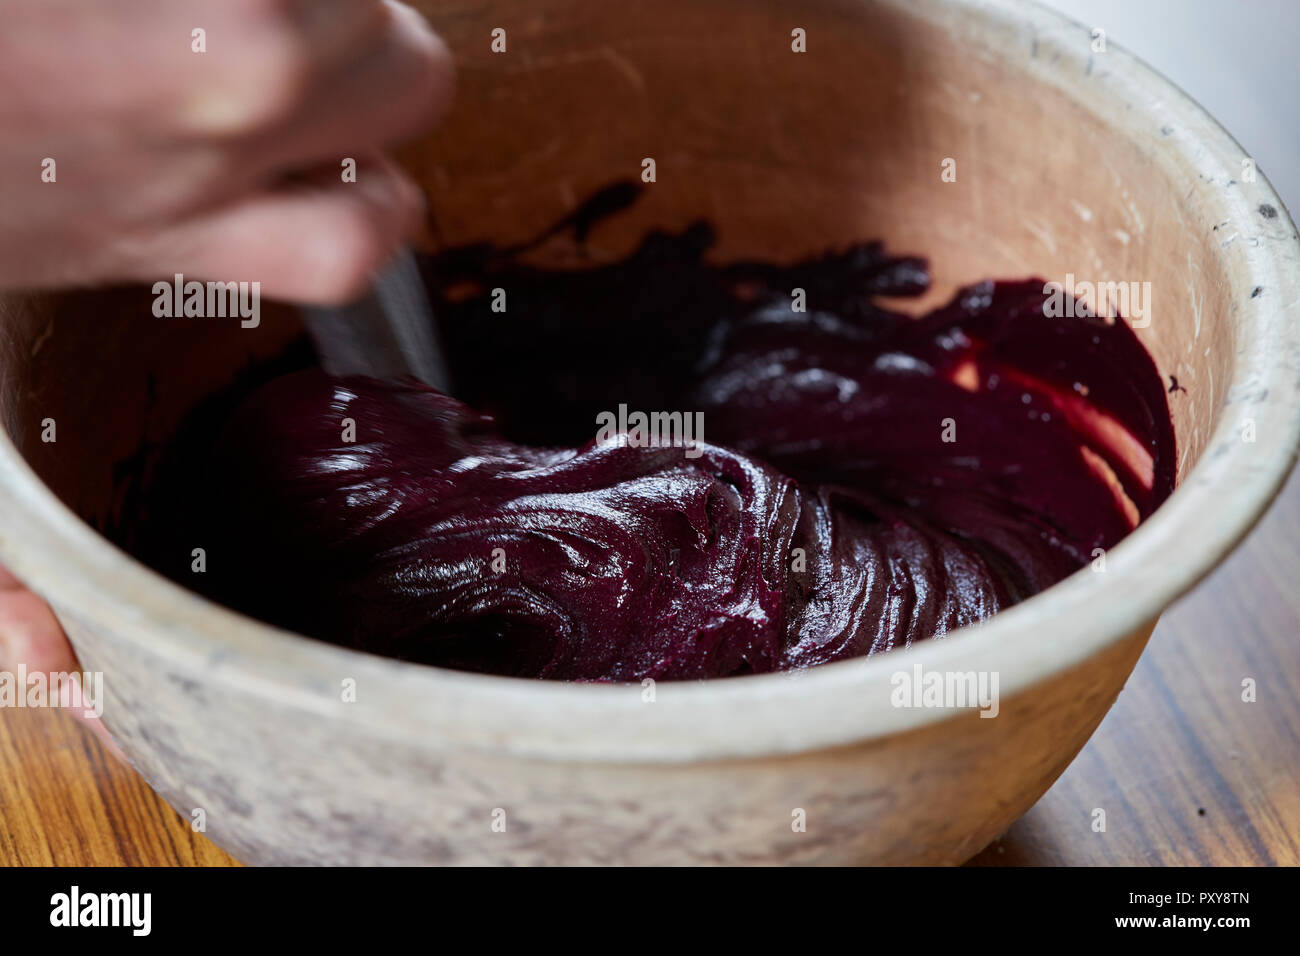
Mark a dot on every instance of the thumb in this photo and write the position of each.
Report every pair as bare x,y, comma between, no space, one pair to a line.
31,638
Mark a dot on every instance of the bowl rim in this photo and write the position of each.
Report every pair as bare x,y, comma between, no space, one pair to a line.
87,578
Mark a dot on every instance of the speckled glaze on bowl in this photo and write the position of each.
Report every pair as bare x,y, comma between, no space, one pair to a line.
1068,161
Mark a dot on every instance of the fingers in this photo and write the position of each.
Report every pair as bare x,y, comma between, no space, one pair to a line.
321,245
320,84
333,29
31,638
144,64
30,634
315,242
170,158
274,53
388,93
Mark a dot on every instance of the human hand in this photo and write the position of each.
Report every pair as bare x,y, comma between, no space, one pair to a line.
31,638
169,160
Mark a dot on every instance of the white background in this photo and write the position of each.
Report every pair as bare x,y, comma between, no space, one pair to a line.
1240,59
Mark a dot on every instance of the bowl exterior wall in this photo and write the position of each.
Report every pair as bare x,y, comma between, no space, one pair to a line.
278,783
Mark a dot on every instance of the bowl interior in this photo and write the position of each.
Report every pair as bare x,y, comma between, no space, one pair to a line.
786,153
1067,162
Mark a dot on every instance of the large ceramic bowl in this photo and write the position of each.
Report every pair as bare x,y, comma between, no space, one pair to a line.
1068,160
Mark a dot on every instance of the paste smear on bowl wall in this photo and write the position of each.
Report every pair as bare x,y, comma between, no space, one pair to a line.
829,483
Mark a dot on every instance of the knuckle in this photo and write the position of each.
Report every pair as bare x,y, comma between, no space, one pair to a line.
438,76
276,81
425,80
435,63
421,96
262,85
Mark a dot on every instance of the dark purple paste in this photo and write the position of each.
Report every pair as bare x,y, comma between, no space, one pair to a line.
825,517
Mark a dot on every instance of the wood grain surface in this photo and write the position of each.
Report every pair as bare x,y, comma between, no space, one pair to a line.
1186,772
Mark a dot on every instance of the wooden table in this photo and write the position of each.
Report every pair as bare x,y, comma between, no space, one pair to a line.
1186,771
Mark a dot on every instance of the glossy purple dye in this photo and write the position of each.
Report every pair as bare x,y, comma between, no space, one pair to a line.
867,479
